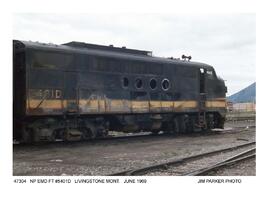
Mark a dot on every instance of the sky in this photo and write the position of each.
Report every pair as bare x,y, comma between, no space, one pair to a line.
225,41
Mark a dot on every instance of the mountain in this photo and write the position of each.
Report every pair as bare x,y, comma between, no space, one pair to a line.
247,94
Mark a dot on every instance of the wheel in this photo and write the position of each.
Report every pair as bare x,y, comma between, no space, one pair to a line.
27,135
191,125
53,135
176,126
183,124
90,132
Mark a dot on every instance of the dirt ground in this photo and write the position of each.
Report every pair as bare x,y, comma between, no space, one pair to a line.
106,156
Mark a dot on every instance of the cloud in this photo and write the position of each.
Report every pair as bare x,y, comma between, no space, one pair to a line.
226,41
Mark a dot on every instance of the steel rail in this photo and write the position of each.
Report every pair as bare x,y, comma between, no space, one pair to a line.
229,161
151,168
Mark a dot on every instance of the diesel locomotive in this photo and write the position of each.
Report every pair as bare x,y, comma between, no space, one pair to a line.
82,91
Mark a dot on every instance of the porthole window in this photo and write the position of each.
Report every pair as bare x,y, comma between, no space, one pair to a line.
153,83
125,82
138,83
165,84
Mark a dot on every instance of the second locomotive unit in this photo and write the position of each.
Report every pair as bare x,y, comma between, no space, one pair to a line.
83,91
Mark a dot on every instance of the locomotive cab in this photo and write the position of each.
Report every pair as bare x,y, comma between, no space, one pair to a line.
212,97
210,84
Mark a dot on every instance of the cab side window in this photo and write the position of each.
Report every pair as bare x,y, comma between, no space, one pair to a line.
210,74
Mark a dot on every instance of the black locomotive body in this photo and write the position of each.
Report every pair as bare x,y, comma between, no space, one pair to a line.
81,91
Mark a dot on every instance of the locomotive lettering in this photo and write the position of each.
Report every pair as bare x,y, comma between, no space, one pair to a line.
45,94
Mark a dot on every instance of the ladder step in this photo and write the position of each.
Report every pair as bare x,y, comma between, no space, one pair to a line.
201,119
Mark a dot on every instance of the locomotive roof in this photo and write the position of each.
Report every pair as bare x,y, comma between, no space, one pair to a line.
108,51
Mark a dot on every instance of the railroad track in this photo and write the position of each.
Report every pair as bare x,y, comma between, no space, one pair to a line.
169,167
248,154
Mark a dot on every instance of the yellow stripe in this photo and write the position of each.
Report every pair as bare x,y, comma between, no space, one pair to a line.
167,104
215,104
139,106
114,105
47,104
180,105
155,104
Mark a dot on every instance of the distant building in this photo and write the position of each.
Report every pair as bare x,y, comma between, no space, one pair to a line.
229,106
242,107
243,101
